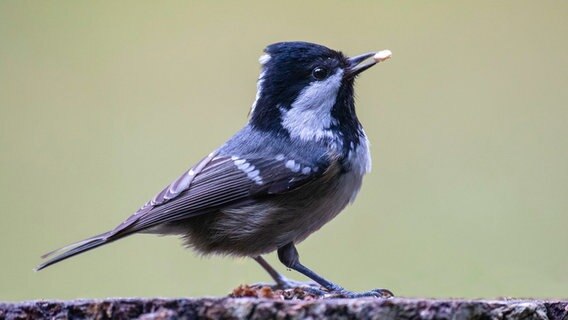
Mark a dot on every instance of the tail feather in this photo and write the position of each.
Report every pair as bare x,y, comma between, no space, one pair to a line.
74,249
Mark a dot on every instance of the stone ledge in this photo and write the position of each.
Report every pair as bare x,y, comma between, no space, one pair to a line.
259,308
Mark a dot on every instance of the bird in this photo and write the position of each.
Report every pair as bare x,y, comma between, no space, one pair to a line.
296,164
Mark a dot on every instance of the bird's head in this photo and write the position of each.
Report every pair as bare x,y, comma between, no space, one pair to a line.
305,91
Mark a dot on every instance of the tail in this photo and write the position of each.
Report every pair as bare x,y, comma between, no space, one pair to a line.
74,249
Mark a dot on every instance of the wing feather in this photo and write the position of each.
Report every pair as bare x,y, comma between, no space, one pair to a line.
214,182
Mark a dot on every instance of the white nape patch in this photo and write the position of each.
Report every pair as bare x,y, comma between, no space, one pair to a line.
247,168
309,117
264,58
292,165
259,83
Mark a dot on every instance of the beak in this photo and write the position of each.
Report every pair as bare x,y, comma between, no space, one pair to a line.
357,66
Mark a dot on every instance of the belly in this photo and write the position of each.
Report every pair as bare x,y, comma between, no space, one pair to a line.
260,227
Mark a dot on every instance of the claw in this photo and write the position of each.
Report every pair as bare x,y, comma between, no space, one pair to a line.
314,289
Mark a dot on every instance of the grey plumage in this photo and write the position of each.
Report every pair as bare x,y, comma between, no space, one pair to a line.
298,162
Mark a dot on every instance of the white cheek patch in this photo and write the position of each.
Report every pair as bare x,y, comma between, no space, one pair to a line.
309,117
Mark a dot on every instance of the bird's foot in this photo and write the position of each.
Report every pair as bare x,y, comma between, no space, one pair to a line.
376,293
317,291
287,284
286,290
291,289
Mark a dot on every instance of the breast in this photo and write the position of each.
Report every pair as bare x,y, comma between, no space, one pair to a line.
323,200
327,201
259,227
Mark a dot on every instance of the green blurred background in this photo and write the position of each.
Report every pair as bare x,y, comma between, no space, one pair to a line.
104,103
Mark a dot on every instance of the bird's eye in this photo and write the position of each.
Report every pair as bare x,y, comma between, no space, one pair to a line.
320,73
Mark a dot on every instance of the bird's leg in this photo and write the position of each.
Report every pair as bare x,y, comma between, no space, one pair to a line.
278,278
281,281
289,256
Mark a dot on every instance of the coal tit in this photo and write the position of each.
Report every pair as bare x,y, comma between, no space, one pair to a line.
298,162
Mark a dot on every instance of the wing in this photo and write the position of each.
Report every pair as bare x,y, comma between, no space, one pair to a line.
214,182
218,181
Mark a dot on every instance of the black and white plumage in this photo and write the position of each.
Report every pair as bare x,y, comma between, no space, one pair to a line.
296,164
